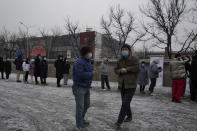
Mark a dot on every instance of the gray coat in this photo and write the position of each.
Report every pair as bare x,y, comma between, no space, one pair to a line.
104,68
143,76
154,70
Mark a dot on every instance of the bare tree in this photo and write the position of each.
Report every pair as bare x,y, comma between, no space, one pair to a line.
165,16
74,33
119,25
47,38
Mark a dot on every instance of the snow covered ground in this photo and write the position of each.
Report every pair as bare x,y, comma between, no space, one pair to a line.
27,107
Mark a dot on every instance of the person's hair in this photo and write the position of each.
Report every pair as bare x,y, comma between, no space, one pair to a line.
84,50
143,62
126,46
177,55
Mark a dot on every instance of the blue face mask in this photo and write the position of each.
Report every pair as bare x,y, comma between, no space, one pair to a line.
89,56
125,53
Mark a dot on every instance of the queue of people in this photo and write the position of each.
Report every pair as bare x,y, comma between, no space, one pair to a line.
129,70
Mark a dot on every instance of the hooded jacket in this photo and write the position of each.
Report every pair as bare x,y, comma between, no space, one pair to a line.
37,68
59,65
44,68
143,76
104,67
18,62
154,70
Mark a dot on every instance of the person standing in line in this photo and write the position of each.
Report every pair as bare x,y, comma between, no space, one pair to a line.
2,67
127,70
143,77
188,73
18,62
178,74
31,70
65,71
194,78
154,71
59,65
44,70
104,74
8,68
26,67
37,68
82,79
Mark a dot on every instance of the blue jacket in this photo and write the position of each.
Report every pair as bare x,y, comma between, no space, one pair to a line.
82,73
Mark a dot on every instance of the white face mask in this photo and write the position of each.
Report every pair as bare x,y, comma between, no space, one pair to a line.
45,58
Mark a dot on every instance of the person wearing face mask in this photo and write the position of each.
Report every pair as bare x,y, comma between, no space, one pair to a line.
104,74
18,62
44,70
31,70
178,73
66,71
59,65
37,68
82,78
143,77
127,70
154,71
26,67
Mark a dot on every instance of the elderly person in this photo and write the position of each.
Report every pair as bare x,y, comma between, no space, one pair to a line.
127,70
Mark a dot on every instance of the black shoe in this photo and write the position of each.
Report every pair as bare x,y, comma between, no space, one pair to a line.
177,101
128,119
59,86
18,81
173,99
117,126
86,124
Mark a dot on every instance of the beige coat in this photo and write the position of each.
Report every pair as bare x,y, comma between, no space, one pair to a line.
131,77
177,69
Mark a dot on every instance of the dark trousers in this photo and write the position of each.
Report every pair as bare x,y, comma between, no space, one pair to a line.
142,87
153,84
26,75
193,91
127,95
7,75
36,79
58,81
104,79
2,74
43,80
184,87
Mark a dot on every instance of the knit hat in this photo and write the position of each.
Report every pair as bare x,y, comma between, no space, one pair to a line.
85,50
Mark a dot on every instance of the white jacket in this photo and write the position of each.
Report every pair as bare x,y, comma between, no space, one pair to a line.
26,67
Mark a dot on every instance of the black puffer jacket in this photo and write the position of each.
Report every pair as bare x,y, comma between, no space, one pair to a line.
59,65
19,62
8,66
66,67
1,64
44,69
37,69
194,70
